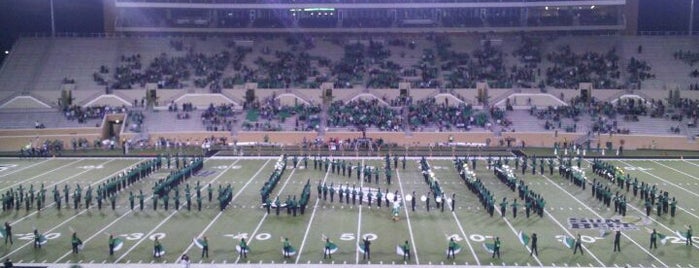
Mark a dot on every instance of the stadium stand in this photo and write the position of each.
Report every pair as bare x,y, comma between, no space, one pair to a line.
498,82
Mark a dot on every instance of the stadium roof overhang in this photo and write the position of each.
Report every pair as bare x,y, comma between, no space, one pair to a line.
129,4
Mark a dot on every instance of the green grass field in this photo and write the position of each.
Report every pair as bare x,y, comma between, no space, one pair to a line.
343,223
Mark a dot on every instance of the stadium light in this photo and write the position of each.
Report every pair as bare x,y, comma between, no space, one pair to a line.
546,8
7,52
592,7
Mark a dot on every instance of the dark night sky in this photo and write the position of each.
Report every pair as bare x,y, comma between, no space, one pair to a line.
31,16
85,16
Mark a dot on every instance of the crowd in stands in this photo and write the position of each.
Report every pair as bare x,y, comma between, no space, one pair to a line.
269,115
638,70
369,63
83,114
184,107
286,70
554,116
166,71
135,120
572,68
43,149
690,58
606,115
219,118
443,116
363,114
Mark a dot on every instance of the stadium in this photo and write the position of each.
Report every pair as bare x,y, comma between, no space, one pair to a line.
323,133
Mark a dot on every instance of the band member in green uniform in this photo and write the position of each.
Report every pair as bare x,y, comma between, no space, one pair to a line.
140,199
210,192
204,247
244,246
496,247
688,236
534,245
451,248
326,250
578,245
406,250
112,243
286,247
8,233
75,243
131,199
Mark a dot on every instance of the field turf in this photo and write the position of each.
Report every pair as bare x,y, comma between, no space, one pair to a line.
426,232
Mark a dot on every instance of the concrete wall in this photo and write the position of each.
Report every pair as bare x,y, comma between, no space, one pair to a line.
11,140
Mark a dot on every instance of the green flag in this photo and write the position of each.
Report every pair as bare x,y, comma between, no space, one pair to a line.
333,248
489,247
199,242
663,238
238,248
399,250
457,249
161,252
360,247
681,235
568,241
42,239
292,251
118,243
524,238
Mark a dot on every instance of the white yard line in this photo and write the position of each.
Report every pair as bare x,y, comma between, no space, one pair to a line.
20,169
96,234
670,183
657,222
663,180
571,235
240,191
562,227
689,162
308,228
42,174
72,217
359,222
407,217
600,216
168,217
517,235
676,170
48,231
259,225
52,203
478,262
146,236
468,242
654,220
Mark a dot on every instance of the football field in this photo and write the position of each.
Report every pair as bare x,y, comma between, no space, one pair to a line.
347,223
